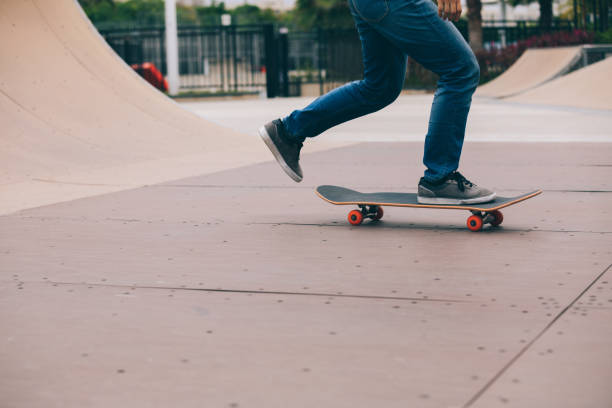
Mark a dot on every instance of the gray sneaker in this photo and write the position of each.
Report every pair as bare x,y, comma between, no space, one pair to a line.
453,189
285,151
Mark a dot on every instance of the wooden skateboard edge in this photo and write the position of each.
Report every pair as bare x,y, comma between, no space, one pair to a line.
440,206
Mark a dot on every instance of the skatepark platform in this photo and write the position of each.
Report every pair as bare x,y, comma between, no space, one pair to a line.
556,76
588,88
535,67
241,288
77,121
152,258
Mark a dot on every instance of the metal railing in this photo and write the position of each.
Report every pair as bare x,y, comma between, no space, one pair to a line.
223,59
215,59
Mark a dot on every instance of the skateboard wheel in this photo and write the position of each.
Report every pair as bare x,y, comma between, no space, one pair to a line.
498,218
379,214
474,223
355,217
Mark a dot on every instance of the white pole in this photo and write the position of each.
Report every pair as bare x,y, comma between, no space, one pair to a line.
172,48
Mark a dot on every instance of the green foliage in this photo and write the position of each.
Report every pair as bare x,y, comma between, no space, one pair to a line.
136,12
186,15
108,13
98,10
312,14
210,15
603,37
249,14
307,15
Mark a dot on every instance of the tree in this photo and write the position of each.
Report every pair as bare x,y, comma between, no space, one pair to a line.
140,12
312,14
110,13
211,15
546,14
475,24
250,14
578,10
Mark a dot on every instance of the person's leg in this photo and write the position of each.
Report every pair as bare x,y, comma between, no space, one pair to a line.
415,28
384,71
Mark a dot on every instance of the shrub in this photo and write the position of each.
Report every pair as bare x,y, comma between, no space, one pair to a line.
603,38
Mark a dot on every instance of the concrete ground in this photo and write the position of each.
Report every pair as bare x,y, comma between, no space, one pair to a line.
491,120
243,289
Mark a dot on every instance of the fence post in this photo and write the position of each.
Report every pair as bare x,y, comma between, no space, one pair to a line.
283,40
320,60
575,13
271,53
235,57
161,32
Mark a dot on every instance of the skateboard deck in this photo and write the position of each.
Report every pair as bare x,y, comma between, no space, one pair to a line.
370,205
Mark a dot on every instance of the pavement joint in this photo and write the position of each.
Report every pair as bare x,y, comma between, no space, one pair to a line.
74,183
261,292
530,343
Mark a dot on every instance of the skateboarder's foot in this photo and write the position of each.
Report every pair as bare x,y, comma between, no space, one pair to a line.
453,189
285,150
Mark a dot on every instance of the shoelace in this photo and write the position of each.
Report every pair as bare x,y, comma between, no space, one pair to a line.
461,181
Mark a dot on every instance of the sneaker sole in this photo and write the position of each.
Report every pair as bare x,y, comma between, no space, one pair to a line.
455,201
263,133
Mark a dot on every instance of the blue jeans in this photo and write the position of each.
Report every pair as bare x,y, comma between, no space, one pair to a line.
389,31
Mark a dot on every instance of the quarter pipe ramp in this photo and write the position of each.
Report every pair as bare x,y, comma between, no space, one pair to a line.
534,68
589,88
77,121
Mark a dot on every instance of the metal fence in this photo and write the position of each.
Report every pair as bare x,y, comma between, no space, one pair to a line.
215,59
221,59
328,58
336,54
503,32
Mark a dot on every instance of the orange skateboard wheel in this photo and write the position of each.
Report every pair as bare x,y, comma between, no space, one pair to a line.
474,223
498,218
379,214
355,217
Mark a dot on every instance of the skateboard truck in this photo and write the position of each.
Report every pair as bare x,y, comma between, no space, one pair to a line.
373,212
475,222
480,218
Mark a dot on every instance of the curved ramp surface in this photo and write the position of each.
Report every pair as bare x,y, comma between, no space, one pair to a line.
589,88
77,121
532,69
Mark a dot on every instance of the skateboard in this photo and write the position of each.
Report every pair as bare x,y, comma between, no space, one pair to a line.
371,205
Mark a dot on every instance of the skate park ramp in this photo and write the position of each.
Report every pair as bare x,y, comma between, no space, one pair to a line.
588,88
534,68
77,121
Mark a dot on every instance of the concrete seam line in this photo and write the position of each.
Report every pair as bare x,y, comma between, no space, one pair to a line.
514,359
261,292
